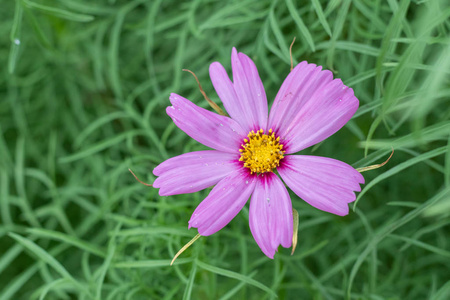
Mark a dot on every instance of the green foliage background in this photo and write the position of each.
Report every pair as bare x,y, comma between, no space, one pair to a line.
83,91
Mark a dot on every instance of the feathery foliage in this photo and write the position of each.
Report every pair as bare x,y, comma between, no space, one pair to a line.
83,91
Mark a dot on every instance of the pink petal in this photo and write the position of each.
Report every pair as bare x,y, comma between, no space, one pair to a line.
210,129
194,171
245,100
224,202
325,183
270,214
310,107
225,90
296,90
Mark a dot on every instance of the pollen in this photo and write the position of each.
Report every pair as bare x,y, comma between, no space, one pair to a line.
261,152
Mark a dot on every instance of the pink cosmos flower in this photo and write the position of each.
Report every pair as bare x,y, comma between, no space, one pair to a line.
251,144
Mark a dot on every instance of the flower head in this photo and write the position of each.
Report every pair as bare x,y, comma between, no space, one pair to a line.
251,144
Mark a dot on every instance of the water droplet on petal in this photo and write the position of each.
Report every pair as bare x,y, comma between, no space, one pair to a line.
221,124
246,182
206,165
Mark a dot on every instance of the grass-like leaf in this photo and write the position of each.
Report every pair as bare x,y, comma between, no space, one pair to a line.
234,275
84,94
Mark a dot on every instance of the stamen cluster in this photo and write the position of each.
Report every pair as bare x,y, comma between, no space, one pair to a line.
261,152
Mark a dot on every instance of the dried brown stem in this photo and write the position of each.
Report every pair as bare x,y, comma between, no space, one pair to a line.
373,167
295,233
185,247
290,54
211,103
147,184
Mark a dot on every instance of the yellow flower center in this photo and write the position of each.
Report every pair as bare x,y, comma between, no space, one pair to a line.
261,152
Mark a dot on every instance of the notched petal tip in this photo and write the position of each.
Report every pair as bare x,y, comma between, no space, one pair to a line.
174,100
270,255
157,170
343,212
244,57
163,193
304,63
215,65
360,179
157,183
169,110
174,97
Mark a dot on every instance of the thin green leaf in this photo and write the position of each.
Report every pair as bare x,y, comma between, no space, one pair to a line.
423,245
237,276
443,293
57,12
398,168
71,240
150,263
15,37
321,16
432,133
301,26
44,256
100,146
190,284
378,237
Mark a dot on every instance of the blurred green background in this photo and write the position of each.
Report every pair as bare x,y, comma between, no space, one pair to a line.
83,91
